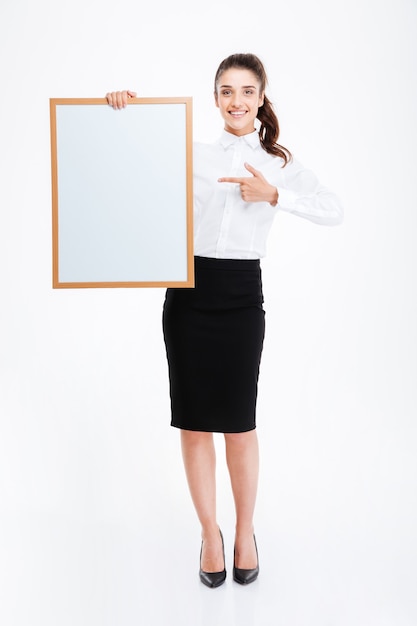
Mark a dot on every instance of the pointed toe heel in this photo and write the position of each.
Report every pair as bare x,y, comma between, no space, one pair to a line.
246,576
213,579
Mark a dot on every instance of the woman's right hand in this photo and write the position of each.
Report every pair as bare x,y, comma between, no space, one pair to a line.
118,99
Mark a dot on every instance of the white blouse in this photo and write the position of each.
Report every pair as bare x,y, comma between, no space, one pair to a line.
225,226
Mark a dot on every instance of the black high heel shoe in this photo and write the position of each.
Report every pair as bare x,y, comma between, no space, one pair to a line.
246,576
213,579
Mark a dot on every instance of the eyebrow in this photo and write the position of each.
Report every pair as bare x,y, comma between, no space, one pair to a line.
243,87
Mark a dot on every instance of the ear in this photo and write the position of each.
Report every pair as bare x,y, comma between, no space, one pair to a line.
216,100
261,99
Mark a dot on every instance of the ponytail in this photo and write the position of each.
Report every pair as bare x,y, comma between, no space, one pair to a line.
269,132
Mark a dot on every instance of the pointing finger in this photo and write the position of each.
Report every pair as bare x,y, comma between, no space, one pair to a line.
231,180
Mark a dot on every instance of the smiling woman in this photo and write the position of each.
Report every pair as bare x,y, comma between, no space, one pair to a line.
214,333
251,95
238,101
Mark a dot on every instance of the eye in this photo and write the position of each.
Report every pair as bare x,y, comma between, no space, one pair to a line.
226,92
249,92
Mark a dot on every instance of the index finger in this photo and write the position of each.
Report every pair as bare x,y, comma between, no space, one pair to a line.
230,179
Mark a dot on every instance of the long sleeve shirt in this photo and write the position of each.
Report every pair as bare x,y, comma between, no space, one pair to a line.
225,226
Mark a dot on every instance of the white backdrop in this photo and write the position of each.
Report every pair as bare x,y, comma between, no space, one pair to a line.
96,525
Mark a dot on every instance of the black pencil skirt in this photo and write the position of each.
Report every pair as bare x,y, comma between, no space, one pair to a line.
214,336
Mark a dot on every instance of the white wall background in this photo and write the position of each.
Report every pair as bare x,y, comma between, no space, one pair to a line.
93,501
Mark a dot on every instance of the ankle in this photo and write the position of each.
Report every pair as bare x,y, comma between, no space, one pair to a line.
210,531
244,531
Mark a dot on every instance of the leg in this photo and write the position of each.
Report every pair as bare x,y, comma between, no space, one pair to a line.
242,454
200,466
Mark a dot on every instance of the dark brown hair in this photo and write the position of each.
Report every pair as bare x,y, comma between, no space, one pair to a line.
269,130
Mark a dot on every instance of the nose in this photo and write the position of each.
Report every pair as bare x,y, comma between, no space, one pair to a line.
236,101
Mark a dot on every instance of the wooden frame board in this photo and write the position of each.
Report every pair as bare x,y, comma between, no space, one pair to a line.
122,201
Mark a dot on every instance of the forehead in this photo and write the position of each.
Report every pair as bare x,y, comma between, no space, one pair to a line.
238,77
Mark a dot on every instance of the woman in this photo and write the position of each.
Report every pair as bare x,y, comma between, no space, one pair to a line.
214,333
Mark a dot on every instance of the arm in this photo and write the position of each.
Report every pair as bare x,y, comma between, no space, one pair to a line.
302,194
298,191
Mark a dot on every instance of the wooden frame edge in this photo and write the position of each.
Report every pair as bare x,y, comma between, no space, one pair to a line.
189,282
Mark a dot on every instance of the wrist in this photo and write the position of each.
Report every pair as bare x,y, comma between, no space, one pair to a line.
274,197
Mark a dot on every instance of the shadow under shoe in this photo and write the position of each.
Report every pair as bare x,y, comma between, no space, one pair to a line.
213,579
246,576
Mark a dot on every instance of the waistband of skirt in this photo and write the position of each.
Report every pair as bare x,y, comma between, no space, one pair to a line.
226,264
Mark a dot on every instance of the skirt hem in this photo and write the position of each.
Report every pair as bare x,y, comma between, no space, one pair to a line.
211,430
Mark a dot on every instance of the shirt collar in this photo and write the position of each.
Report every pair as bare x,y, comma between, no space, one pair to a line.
228,139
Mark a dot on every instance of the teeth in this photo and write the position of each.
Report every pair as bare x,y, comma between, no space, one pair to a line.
237,113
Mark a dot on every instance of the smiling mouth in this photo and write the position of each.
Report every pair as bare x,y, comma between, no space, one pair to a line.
237,113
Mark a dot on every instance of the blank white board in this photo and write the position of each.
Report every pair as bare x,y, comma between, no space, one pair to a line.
122,193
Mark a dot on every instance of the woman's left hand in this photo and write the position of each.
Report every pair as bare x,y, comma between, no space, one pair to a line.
254,188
